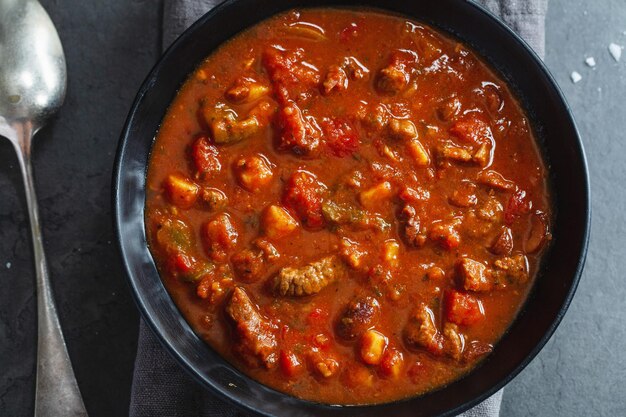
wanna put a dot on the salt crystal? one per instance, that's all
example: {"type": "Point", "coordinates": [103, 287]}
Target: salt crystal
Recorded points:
{"type": "Point", "coordinates": [8, 265]}
{"type": "Point", "coordinates": [576, 77]}
{"type": "Point", "coordinates": [590, 61]}
{"type": "Point", "coordinates": [616, 51]}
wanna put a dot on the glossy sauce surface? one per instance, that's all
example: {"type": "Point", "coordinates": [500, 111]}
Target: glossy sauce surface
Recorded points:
{"type": "Point", "coordinates": [348, 206]}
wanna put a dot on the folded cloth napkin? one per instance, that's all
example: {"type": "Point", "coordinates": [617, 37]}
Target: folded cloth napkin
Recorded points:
{"type": "Point", "coordinates": [160, 386]}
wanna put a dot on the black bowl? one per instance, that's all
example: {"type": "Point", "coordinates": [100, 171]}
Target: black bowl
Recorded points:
{"type": "Point", "coordinates": [555, 129]}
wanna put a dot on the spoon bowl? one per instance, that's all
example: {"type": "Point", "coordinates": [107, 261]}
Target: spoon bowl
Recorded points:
{"type": "Point", "coordinates": [33, 80]}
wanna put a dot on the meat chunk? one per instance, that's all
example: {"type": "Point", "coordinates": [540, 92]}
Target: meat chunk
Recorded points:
{"type": "Point", "coordinates": [336, 80]}
{"type": "Point", "coordinates": [411, 231]}
{"type": "Point", "coordinates": [473, 275]}
{"type": "Point", "coordinates": [453, 341]}
{"type": "Point", "coordinates": [304, 194]}
{"type": "Point", "coordinates": [360, 315]}
{"type": "Point", "coordinates": [402, 129]}
{"type": "Point", "coordinates": [464, 195]}
{"type": "Point", "coordinates": [449, 108]}
{"type": "Point", "coordinates": [421, 331]}
{"type": "Point", "coordinates": [309, 279]}
{"type": "Point", "coordinates": [214, 199]}
{"type": "Point", "coordinates": [495, 180]}
{"type": "Point", "coordinates": [296, 132]}
{"type": "Point", "coordinates": [514, 268]}
{"type": "Point", "coordinates": [249, 265]}
{"type": "Point", "coordinates": [256, 339]}
{"type": "Point", "coordinates": [445, 233]}
{"type": "Point", "coordinates": [503, 243]}
{"type": "Point", "coordinates": [451, 152]}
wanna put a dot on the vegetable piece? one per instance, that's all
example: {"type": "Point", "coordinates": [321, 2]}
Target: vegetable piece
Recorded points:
{"type": "Point", "coordinates": [327, 367]}
{"type": "Point", "coordinates": [309, 279]}
{"type": "Point", "coordinates": [246, 90]}
{"type": "Point", "coordinates": [361, 314]}
{"type": "Point", "coordinates": [373, 345]}
{"type": "Point", "coordinates": [205, 157]}
{"type": "Point", "coordinates": [290, 364]}
{"type": "Point", "coordinates": [391, 249]}
{"type": "Point", "coordinates": [421, 331]}
{"type": "Point", "coordinates": [296, 132]}
{"type": "Point", "coordinates": [372, 197]}
{"type": "Point", "coordinates": [306, 30]}
{"type": "Point", "coordinates": [220, 236]}
{"type": "Point", "coordinates": [256, 339]}
{"type": "Point", "coordinates": [418, 152]}
{"type": "Point", "coordinates": [392, 363]}
{"type": "Point", "coordinates": [474, 275]}
{"type": "Point", "coordinates": [225, 126]}
{"type": "Point", "coordinates": [277, 222]}
{"type": "Point", "coordinates": [462, 309]}
{"type": "Point", "coordinates": [345, 214]}
{"type": "Point", "coordinates": [174, 235]}
{"type": "Point", "coordinates": [304, 195]}
{"type": "Point", "coordinates": [351, 253]}
{"type": "Point", "coordinates": [253, 172]}
{"type": "Point", "coordinates": [181, 191]}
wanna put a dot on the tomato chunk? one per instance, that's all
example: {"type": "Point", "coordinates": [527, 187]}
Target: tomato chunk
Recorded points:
{"type": "Point", "coordinates": [462, 309]}
{"type": "Point", "coordinates": [289, 363]}
{"type": "Point", "coordinates": [296, 132]}
{"type": "Point", "coordinates": [205, 156]}
{"type": "Point", "coordinates": [289, 76]}
{"type": "Point", "coordinates": [340, 136]}
{"type": "Point", "coordinates": [518, 204]}
{"type": "Point", "coordinates": [472, 130]}
{"type": "Point", "coordinates": [304, 195]}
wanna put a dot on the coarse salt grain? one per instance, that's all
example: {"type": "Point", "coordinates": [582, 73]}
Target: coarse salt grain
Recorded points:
{"type": "Point", "coordinates": [576, 77]}
{"type": "Point", "coordinates": [591, 62]}
{"type": "Point", "coordinates": [8, 265]}
{"type": "Point", "coordinates": [616, 51]}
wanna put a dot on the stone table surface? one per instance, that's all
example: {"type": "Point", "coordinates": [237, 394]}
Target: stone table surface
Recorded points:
{"type": "Point", "coordinates": [110, 47]}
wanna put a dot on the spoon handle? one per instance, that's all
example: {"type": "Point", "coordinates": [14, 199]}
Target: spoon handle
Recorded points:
{"type": "Point", "coordinates": [57, 392]}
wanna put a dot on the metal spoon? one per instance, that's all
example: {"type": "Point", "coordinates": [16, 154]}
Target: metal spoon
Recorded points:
{"type": "Point", "coordinates": [33, 80]}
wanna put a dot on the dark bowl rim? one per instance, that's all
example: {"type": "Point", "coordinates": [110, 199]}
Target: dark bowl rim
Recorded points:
{"type": "Point", "coordinates": [232, 398]}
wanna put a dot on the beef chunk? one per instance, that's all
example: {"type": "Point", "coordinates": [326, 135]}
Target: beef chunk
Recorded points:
{"type": "Point", "coordinates": [256, 339]}
{"type": "Point", "coordinates": [421, 331]}
{"type": "Point", "coordinates": [473, 275]}
{"type": "Point", "coordinates": [503, 243]}
{"type": "Point", "coordinates": [249, 265]}
{"type": "Point", "coordinates": [360, 315]}
{"type": "Point", "coordinates": [309, 279]}
{"type": "Point", "coordinates": [514, 268]}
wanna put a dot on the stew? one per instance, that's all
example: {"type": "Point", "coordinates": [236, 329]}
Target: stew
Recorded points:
{"type": "Point", "coordinates": [348, 206]}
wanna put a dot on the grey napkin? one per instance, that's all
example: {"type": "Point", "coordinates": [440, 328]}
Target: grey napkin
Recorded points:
{"type": "Point", "coordinates": [160, 387]}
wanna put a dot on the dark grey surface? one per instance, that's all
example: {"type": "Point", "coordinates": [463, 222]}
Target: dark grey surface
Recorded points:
{"type": "Point", "coordinates": [110, 46]}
